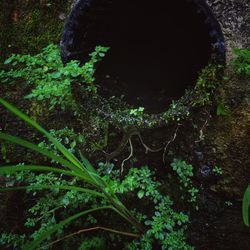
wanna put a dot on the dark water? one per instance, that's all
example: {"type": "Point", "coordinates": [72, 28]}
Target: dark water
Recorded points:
{"type": "Point", "coordinates": [157, 50]}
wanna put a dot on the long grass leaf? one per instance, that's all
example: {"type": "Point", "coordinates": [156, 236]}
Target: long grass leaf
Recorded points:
{"type": "Point", "coordinates": [92, 171]}
{"type": "Point", "coordinates": [58, 145]}
{"type": "Point", "coordinates": [53, 187]}
{"type": "Point", "coordinates": [33, 147]}
{"type": "Point", "coordinates": [245, 206]}
{"type": "Point", "coordinates": [86, 163]}
{"type": "Point", "coordinates": [46, 153]}
{"type": "Point", "coordinates": [38, 168]}
{"type": "Point", "coordinates": [36, 243]}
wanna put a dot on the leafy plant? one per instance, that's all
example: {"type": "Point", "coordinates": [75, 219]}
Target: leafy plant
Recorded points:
{"type": "Point", "coordinates": [67, 137]}
{"type": "Point", "coordinates": [228, 203]}
{"type": "Point", "coordinates": [50, 79]}
{"type": "Point", "coordinates": [11, 240]}
{"type": "Point", "coordinates": [96, 243]}
{"type": "Point", "coordinates": [217, 170]}
{"type": "Point", "coordinates": [241, 63]}
{"type": "Point", "coordinates": [136, 112]}
{"type": "Point", "coordinates": [206, 84]}
{"type": "Point", "coordinates": [185, 173]}
{"type": "Point", "coordinates": [165, 226]}
{"type": "Point", "coordinates": [71, 166]}
{"type": "Point", "coordinates": [220, 109]}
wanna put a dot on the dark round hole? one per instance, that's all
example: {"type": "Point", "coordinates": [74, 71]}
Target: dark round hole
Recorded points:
{"type": "Point", "coordinates": [156, 48]}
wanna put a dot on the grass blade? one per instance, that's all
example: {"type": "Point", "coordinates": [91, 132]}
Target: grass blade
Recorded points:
{"type": "Point", "coordinates": [46, 153]}
{"type": "Point", "coordinates": [245, 206]}
{"type": "Point", "coordinates": [36, 243]}
{"type": "Point", "coordinates": [15, 168]}
{"type": "Point", "coordinates": [41, 187]}
{"type": "Point", "coordinates": [86, 163]}
{"type": "Point", "coordinates": [33, 147]}
{"type": "Point", "coordinates": [58, 145]}
{"type": "Point", "coordinates": [98, 180]}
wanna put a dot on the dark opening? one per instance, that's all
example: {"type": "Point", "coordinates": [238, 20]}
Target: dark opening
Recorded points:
{"type": "Point", "coordinates": [156, 48]}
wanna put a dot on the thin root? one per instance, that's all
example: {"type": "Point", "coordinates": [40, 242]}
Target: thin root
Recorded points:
{"type": "Point", "coordinates": [130, 155]}
{"type": "Point", "coordinates": [168, 143]}
{"type": "Point", "coordinates": [148, 149]}
{"type": "Point", "coordinates": [201, 136]}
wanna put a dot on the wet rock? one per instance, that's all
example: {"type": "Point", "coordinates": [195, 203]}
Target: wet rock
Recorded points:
{"type": "Point", "coordinates": [205, 171]}
{"type": "Point", "coordinates": [199, 155]}
{"type": "Point", "coordinates": [234, 17]}
{"type": "Point", "coordinates": [230, 137]}
{"type": "Point", "coordinates": [227, 138]}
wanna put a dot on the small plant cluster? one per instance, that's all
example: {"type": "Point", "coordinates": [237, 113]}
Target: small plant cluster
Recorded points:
{"type": "Point", "coordinates": [206, 84]}
{"type": "Point", "coordinates": [217, 170]}
{"type": "Point", "coordinates": [50, 79]}
{"type": "Point", "coordinates": [185, 173]}
{"type": "Point", "coordinates": [67, 137]}
{"type": "Point", "coordinates": [241, 63]}
{"type": "Point", "coordinates": [165, 226]}
{"type": "Point", "coordinates": [136, 112]}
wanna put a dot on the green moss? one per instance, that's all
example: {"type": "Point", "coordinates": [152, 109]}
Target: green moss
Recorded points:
{"type": "Point", "coordinates": [28, 26]}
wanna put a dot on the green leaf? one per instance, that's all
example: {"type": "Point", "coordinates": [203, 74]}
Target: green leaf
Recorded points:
{"type": "Point", "coordinates": [56, 75]}
{"type": "Point", "coordinates": [36, 243]}
{"type": "Point", "coordinates": [92, 172]}
{"type": "Point", "coordinates": [8, 61]}
{"type": "Point", "coordinates": [245, 206]}
{"type": "Point", "coordinates": [220, 111]}
{"type": "Point", "coordinates": [140, 194]}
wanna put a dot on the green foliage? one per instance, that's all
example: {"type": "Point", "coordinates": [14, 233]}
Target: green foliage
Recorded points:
{"type": "Point", "coordinates": [83, 170]}
{"type": "Point", "coordinates": [241, 63]}
{"type": "Point", "coordinates": [208, 79]}
{"type": "Point", "coordinates": [67, 137]}
{"type": "Point", "coordinates": [185, 173]}
{"type": "Point", "coordinates": [217, 170]}
{"type": "Point", "coordinates": [245, 206]}
{"type": "Point", "coordinates": [52, 81]}
{"type": "Point", "coordinates": [136, 112]}
{"type": "Point", "coordinates": [220, 109]}
{"type": "Point", "coordinates": [96, 243]}
{"type": "Point", "coordinates": [229, 203]}
{"type": "Point", "coordinates": [11, 240]}
{"type": "Point", "coordinates": [206, 85]}
{"type": "Point", "coordinates": [177, 112]}
{"type": "Point", "coordinates": [165, 226]}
